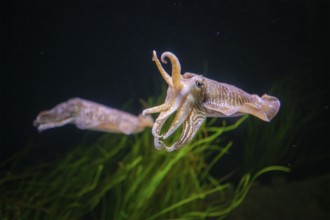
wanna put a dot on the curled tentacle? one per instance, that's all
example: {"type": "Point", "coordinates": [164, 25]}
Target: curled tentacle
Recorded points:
{"type": "Point", "coordinates": [176, 69]}
{"type": "Point", "coordinates": [165, 75]}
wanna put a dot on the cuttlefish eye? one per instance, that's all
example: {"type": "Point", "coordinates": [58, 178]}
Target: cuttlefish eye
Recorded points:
{"type": "Point", "coordinates": [198, 83]}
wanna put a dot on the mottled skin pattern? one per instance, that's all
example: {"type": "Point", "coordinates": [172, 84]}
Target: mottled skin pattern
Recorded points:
{"type": "Point", "coordinates": [194, 97]}
{"type": "Point", "coordinates": [92, 116]}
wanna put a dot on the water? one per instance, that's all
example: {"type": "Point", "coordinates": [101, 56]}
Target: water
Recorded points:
{"type": "Point", "coordinates": [102, 52]}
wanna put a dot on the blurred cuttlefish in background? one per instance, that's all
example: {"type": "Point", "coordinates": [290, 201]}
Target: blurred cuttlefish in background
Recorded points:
{"type": "Point", "coordinates": [92, 116]}
{"type": "Point", "coordinates": [194, 97]}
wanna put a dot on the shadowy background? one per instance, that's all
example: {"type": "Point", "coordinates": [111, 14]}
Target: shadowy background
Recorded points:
{"type": "Point", "coordinates": [54, 50]}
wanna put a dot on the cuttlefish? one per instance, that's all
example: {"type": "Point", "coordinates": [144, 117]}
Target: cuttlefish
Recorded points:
{"type": "Point", "coordinates": [194, 98]}
{"type": "Point", "coordinates": [92, 116]}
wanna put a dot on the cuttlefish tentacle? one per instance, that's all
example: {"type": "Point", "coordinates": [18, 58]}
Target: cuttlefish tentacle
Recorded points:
{"type": "Point", "coordinates": [190, 127]}
{"type": "Point", "coordinates": [172, 103]}
{"type": "Point", "coordinates": [173, 84]}
{"type": "Point", "coordinates": [159, 123]}
{"type": "Point", "coordinates": [181, 115]}
{"type": "Point", "coordinates": [159, 108]}
{"type": "Point", "coordinates": [183, 95]}
{"type": "Point", "coordinates": [165, 110]}
{"type": "Point", "coordinates": [167, 78]}
{"type": "Point", "coordinates": [176, 69]}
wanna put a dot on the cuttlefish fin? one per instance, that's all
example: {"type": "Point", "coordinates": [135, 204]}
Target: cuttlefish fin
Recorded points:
{"type": "Point", "coordinates": [223, 110]}
{"type": "Point", "coordinates": [227, 111]}
{"type": "Point", "coordinates": [264, 108]}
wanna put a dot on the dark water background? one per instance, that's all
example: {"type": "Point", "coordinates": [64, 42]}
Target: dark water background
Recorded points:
{"type": "Point", "coordinates": [54, 50]}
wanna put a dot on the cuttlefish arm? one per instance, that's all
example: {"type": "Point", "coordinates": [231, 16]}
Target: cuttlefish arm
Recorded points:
{"type": "Point", "coordinates": [91, 116]}
{"type": "Point", "coordinates": [190, 127]}
{"type": "Point", "coordinates": [171, 103]}
{"type": "Point", "coordinates": [183, 99]}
